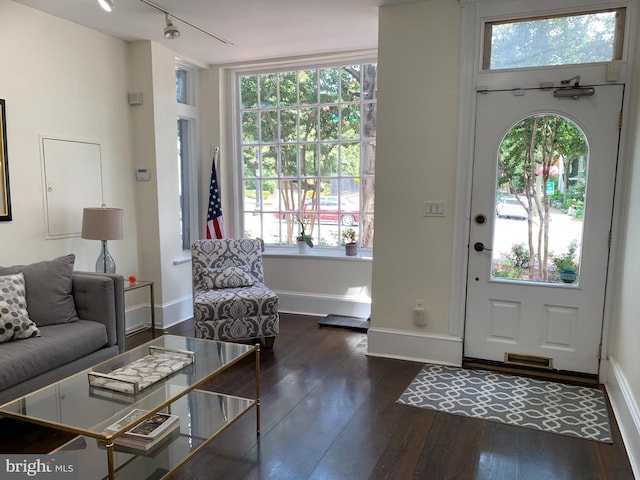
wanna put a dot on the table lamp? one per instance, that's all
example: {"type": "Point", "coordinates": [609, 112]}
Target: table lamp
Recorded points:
{"type": "Point", "coordinates": [103, 224]}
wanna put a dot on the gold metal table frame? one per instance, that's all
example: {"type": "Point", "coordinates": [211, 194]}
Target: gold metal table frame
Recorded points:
{"type": "Point", "coordinates": [71, 405]}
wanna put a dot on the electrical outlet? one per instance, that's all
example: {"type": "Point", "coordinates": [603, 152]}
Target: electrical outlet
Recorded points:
{"type": "Point", "coordinates": [419, 314]}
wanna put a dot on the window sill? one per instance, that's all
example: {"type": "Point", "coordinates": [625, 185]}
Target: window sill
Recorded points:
{"type": "Point", "coordinates": [183, 258]}
{"type": "Point", "coordinates": [364, 254]}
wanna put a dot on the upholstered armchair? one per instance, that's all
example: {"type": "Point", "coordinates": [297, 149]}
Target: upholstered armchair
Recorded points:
{"type": "Point", "coordinates": [230, 301]}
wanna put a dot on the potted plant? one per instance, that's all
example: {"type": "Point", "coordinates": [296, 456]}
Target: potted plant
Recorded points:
{"type": "Point", "coordinates": [349, 239]}
{"type": "Point", "coordinates": [303, 239]}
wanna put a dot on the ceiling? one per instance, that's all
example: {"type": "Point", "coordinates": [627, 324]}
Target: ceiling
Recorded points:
{"type": "Point", "coordinates": [257, 29]}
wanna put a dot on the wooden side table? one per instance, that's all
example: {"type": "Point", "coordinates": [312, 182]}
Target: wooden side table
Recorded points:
{"type": "Point", "coordinates": [140, 284]}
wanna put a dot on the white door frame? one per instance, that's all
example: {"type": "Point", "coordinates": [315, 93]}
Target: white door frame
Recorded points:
{"type": "Point", "coordinates": [472, 78]}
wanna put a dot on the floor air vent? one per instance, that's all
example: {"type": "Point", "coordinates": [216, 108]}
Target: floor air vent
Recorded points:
{"type": "Point", "coordinates": [528, 360]}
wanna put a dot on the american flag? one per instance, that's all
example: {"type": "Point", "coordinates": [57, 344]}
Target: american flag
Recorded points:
{"type": "Point", "coordinates": [214, 213]}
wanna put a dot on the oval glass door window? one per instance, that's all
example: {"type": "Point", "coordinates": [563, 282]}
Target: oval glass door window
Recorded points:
{"type": "Point", "coordinates": [541, 186]}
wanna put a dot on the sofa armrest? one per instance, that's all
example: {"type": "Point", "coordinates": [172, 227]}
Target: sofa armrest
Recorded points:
{"type": "Point", "coordinates": [99, 297]}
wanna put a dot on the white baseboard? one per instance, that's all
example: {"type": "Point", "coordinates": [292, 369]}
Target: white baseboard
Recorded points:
{"type": "Point", "coordinates": [137, 318]}
{"type": "Point", "coordinates": [626, 410]}
{"type": "Point", "coordinates": [174, 312]}
{"type": "Point", "coordinates": [415, 346]}
{"type": "Point", "coordinates": [167, 315]}
{"type": "Point", "coordinates": [321, 305]}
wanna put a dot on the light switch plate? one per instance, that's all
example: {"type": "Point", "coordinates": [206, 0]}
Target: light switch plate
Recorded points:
{"type": "Point", "coordinates": [433, 209]}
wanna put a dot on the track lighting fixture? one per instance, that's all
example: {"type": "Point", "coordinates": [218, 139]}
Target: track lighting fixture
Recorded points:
{"type": "Point", "coordinates": [107, 5]}
{"type": "Point", "coordinates": [171, 32]}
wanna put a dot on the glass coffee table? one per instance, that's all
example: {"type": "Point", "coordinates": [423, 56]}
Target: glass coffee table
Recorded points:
{"type": "Point", "coordinates": [98, 414]}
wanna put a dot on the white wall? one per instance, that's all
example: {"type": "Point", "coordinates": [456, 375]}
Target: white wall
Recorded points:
{"type": "Point", "coordinates": [417, 127]}
{"type": "Point", "coordinates": [622, 372]}
{"type": "Point", "coordinates": [320, 285]}
{"type": "Point", "coordinates": [418, 58]}
{"type": "Point", "coordinates": [71, 82]}
{"type": "Point", "coordinates": [623, 375]}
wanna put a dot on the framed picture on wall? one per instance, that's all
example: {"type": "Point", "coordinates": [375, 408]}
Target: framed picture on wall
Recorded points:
{"type": "Point", "coordinates": [5, 197]}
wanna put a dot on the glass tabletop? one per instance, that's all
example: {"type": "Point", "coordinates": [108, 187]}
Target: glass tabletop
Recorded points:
{"type": "Point", "coordinates": [74, 405]}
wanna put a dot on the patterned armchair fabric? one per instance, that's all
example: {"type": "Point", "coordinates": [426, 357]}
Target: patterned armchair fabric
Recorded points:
{"type": "Point", "coordinates": [230, 301]}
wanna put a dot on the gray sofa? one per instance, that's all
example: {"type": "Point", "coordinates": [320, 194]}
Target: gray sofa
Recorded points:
{"type": "Point", "coordinates": [91, 329]}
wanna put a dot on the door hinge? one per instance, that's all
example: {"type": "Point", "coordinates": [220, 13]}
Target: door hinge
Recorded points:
{"type": "Point", "coordinates": [620, 120]}
{"type": "Point", "coordinates": [609, 239]}
{"type": "Point", "coordinates": [600, 352]}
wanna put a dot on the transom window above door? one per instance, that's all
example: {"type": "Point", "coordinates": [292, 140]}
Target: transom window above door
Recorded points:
{"type": "Point", "coordinates": [567, 39]}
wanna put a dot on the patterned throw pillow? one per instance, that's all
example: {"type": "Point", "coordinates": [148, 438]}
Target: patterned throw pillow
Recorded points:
{"type": "Point", "coordinates": [230, 277]}
{"type": "Point", "coordinates": [14, 319]}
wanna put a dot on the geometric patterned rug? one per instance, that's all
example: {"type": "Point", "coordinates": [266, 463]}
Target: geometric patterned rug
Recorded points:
{"type": "Point", "coordinates": [552, 407]}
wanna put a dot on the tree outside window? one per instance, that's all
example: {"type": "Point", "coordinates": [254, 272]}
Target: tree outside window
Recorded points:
{"type": "Point", "coordinates": [308, 153]}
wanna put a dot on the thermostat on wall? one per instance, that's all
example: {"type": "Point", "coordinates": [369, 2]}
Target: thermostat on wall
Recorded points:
{"type": "Point", "coordinates": [143, 174]}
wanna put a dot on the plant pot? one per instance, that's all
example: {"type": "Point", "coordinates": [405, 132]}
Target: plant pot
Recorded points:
{"type": "Point", "coordinates": [351, 249]}
{"type": "Point", "coordinates": [302, 246]}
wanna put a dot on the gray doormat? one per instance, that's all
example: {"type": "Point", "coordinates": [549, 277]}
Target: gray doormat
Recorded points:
{"type": "Point", "coordinates": [552, 407]}
{"type": "Point", "coordinates": [344, 321]}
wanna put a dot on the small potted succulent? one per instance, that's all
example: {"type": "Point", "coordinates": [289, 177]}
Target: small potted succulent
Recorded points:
{"type": "Point", "coordinates": [303, 239]}
{"type": "Point", "coordinates": [349, 239]}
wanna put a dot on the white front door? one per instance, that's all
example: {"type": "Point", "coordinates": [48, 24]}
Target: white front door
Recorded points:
{"type": "Point", "coordinates": [536, 286]}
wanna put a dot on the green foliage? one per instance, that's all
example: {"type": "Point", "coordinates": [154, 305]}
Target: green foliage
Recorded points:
{"type": "Point", "coordinates": [349, 236]}
{"type": "Point", "coordinates": [564, 261]}
{"type": "Point", "coordinates": [557, 199]}
{"type": "Point", "coordinates": [576, 192]}
{"type": "Point", "coordinates": [575, 201]}
{"type": "Point", "coordinates": [575, 208]}
{"type": "Point", "coordinates": [302, 235]}
{"type": "Point", "coordinates": [507, 269]}
{"type": "Point", "coordinates": [515, 263]}
{"type": "Point", "coordinates": [553, 41]}
{"type": "Point", "coordinates": [302, 131]}
{"type": "Point", "coordinates": [520, 255]}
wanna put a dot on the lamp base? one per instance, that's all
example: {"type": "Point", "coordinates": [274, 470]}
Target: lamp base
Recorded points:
{"type": "Point", "coordinates": [105, 262]}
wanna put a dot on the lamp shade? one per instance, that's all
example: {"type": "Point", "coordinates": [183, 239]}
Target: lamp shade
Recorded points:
{"type": "Point", "coordinates": [102, 223]}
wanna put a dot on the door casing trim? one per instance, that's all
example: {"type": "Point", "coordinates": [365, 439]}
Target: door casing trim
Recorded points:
{"type": "Point", "coordinates": [470, 52]}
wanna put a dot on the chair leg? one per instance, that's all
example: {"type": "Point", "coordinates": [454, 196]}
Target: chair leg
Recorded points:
{"type": "Point", "coordinates": [267, 342]}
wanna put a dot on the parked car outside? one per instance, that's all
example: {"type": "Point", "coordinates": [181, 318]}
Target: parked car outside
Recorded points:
{"type": "Point", "coordinates": [510, 207]}
{"type": "Point", "coordinates": [346, 213]}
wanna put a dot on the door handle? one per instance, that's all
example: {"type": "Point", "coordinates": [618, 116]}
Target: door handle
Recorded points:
{"type": "Point", "coordinates": [479, 247]}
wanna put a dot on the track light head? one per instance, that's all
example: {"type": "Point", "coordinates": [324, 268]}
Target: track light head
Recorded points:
{"type": "Point", "coordinates": [171, 32]}
{"type": "Point", "coordinates": [107, 5]}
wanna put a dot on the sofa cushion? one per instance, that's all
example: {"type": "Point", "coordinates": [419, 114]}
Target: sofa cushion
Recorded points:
{"type": "Point", "coordinates": [57, 345]}
{"type": "Point", "coordinates": [48, 286]}
{"type": "Point", "coordinates": [15, 323]}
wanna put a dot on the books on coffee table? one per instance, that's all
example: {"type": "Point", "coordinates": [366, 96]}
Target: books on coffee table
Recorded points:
{"type": "Point", "coordinates": [146, 435]}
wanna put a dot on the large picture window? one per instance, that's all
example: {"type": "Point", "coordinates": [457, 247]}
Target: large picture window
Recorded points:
{"type": "Point", "coordinates": [308, 153]}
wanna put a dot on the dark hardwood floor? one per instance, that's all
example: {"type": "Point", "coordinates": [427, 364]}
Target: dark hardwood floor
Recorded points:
{"type": "Point", "coordinates": [329, 412]}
